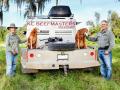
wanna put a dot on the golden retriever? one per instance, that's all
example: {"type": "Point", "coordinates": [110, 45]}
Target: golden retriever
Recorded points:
{"type": "Point", "coordinates": [32, 39]}
{"type": "Point", "coordinates": [80, 38]}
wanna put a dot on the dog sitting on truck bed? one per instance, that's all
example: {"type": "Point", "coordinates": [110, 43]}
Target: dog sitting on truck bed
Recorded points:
{"type": "Point", "coordinates": [32, 39]}
{"type": "Point", "coordinates": [80, 38]}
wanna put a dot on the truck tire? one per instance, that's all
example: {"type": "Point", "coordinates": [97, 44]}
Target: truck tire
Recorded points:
{"type": "Point", "coordinates": [24, 70]}
{"type": "Point", "coordinates": [60, 46]}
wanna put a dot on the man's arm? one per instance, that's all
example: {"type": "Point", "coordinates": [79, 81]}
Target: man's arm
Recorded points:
{"type": "Point", "coordinates": [111, 41]}
{"type": "Point", "coordinates": [94, 39]}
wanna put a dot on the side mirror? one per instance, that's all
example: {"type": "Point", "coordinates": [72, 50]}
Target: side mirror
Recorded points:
{"type": "Point", "coordinates": [78, 23]}
{"type": "Point", "coordinates": [72, 15]}
{"type": "Point", "coordinates": [24, 32]}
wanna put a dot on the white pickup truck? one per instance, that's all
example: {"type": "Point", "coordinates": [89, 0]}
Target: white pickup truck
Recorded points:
{"type": "Point", "coordinates": [56, 44]}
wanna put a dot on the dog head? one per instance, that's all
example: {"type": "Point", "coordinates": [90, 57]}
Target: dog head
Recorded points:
{"type": "Point", "coordinates": [80, 37]}
{"type": "Point", "coordinates": [83, 30]}
{"type": "Point", "coordinates": [34, 31]}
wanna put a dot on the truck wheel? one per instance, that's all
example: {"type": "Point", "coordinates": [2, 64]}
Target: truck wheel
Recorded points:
{"type": "Point", "coordinates": [24, 70]}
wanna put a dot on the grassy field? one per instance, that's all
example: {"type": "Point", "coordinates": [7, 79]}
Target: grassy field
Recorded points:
{"type": "Point", "coordinates": [55, 79]}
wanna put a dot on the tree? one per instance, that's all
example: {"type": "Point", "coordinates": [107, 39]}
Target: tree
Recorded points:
{"type": "Point", "coordinates": [56, 2]}
{"type": "Point", "coordinates": [109, 19]}
{"type": "Point", "coordinates": [33, 7]}
{"type": "Point", "coordinates": [115, 20]}
{"type": "Point", "coordinates": [3, 33]}
{"type": "Point", "coordinates": [90, 23]}
{"type": "Point", "coordinates": [1, 16]}
{"type": "Point", "coordinates": [97, 16]}
{"type": "Point", "coordinates": [115, 23]}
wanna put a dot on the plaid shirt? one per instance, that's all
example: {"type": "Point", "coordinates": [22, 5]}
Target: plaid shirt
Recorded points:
{"type": "Point", "coordinates": [104, 38]}
{"type": "Point", "coordinates": [12, 42]}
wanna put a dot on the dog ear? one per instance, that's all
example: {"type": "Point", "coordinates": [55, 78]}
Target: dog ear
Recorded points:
{"type": "Point", "coordinates": [37, 29]}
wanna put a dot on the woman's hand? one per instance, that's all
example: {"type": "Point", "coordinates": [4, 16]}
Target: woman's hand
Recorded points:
{"type": "Point", "coordinates": [106, 52]}
{"type": "Point", "coordinates": [14, 52]}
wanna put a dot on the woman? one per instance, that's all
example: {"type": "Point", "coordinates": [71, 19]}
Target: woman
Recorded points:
{"type": "Point", "coordinates": [12, 45]}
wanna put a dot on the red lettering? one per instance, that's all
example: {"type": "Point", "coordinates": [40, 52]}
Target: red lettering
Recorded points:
{"type": "Point", "coordinates": [54, 23]}
{"type": "Point", "coordinates": [30, 23]}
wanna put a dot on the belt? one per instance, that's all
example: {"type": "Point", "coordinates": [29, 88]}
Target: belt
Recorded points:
{"type": "Point", "coordinates": [103, 48]}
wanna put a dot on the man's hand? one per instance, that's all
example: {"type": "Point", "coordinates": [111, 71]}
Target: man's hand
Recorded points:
{"type": "Point", "coordinates": [86, 34]}
{"type": "Point", "coordinates": [106, 52]}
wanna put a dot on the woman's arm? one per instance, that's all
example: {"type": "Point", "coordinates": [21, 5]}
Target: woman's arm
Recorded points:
{"type": "Point", "coordinates": [8, 47]}
{"type": "Point", "coordinates": [22, 41]}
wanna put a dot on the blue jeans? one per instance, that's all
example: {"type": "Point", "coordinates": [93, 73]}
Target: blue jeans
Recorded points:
{"type": "Point", "coordinates": [11, 64]}
{"type": "Point", "coordinates": [106, 64]}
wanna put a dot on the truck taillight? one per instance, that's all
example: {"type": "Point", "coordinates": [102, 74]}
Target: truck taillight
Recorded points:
{"type": "Point", "coordinates": [31, 55]}
{"type": "Point", "coordinates": [92, 53]}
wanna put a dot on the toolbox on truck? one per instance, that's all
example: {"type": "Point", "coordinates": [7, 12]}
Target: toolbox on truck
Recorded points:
{"type": "Point", "coordinates": [61, 46]}
{"type": "Point", "coordinates": [60, 11]}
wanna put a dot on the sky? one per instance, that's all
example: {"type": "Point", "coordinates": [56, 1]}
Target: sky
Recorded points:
{"type": "Point", "coordinates": [82, 12]}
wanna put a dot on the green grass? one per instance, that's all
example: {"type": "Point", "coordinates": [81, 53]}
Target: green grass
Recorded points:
{"type": "Point", "coordinates": [55, 79]}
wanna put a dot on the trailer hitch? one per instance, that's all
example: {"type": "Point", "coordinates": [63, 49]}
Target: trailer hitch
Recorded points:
{"type": "Point", "coordinates": [65, 67]}
{"type": "Point", "coordinates": [65, 70]}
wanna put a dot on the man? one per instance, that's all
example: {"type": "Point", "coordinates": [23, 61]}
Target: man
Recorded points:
{"type": "Point", "coordinates": [12, 45]}
{"type": "Point", "coordinates": [106, 40]}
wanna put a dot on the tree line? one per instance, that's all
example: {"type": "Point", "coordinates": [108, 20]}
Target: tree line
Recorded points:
{"type": "Point", "coordinates": [113, 19]}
